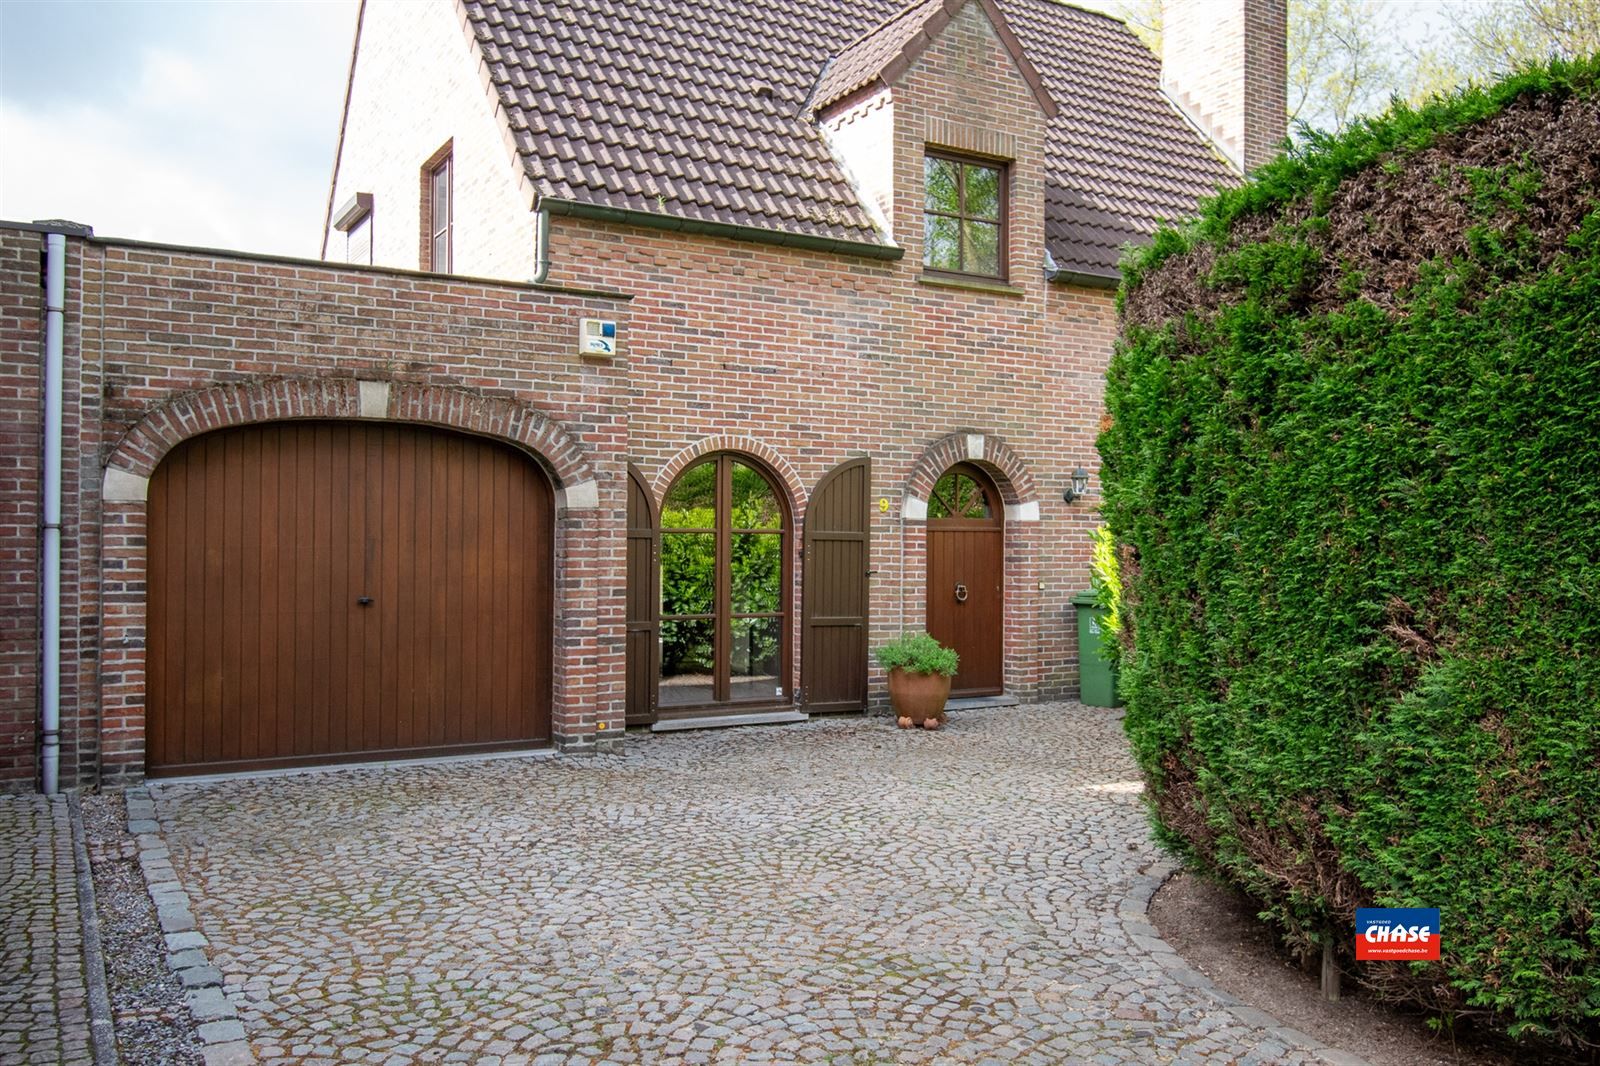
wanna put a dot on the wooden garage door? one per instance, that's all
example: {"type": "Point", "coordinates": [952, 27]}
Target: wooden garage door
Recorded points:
{"type": "Point", "coordinates": [323, 592]}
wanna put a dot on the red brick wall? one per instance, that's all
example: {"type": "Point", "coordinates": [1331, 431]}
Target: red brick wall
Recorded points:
{"type": "Point", "coordinates": [167, 343]}
{"type": "Point", "coordinates": [815, 358]}
{"type": "Point", "coordinates": [21, 399]}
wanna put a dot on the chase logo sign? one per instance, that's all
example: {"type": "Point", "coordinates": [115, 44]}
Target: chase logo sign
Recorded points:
{"type": "Point", "coordinates": [1407, 933]}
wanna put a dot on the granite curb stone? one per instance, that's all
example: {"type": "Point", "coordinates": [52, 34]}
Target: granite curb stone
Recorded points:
{"type": "Point", "coordinates": [221, 1033]}
{"type": "Point", "coordinates": [1134, 912]}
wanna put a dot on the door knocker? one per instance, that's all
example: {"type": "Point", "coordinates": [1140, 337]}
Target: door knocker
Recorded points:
{"type": "Point", "coordinates": [961, 594]}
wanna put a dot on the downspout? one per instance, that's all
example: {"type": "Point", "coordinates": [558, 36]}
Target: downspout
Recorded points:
{"type": "Point", "coordinates": [50, 696]}
{"type": "Point", "coordinates": [541, 245]}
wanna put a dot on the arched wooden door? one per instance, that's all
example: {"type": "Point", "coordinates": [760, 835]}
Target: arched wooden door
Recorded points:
{"type": "Point", "coordinates": [644, 603]}
{"type": "Point", "coordinates": [966, 577]}
{"type": "Point", "coordinates": [333, 591]}
{"type": "Point", "coordinates": [833, 649]}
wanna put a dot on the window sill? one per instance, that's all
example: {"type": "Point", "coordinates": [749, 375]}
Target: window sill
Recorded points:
{"type": "Point", "coordinates": [948, 281]}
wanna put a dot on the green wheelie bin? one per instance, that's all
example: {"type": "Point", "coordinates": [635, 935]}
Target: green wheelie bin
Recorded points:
{"type": "Point", "coordinates": [1097, 675]}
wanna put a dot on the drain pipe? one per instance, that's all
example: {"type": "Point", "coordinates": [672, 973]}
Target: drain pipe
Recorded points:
{"type": "Point", "coordinates": [541, 242]}
{"type": "Point", "coordinates": [55, 286]}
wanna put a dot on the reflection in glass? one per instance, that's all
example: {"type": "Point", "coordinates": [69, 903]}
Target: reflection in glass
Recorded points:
{"type": "Point", "coordinates": [941, 182]}
{"type": "Point", "coordinates": [956, 495]}
{"type": "Point", "coordinates": [983, 248]}
{"type": "Point", "coordinates": [687, 661]}
{"type": "Point", "coordinates": [688, 573]}
{"type": "Point", "coordinates": [691, 503]}
{"type": "Point", "coordinates": [983, 192]}
{"type": "Point", "coordinates": [755, 505]}
{"type": "Point", "coordinates": [756, 655]}
{"type": "Point", "coordinates": [943, 248]}
{"type": "Point", "coordinates": [757, 572]}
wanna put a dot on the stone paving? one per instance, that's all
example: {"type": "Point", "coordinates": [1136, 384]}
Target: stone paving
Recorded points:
{"type": "Point", "coordinates": [44, 1014]}
{"type": "Point", "coordinates": [835, 892]}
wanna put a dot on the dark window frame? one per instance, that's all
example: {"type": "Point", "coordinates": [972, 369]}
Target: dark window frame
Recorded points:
{"type": "Point", "coordinates": [1003, 222]}
{"type": "Point", "coordinates": [722, 615]}
{"type": "Point", "coordinates": [984, 484]}
{"type": "Point", "coordinates": [439, 165]}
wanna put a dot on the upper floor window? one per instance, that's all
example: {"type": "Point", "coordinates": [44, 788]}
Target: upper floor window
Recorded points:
{"type": "Point", "coordinates": [965, 213]}
{"type": "Point", "coordinates": [438, 209]}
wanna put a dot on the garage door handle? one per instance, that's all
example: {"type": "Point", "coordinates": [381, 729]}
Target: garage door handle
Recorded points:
{"type": "Point", "coordinates": [364, 601]}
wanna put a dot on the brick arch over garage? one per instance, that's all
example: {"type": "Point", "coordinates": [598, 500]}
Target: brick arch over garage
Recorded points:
{"type": "Point", "coordinates": [1011, 475]}
{"type": "Point", "coordinates": [581, 532]}
{"type": "Point", "coordinates": [143, 447]}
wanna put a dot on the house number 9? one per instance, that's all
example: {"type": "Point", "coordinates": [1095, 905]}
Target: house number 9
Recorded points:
{"type": "Point", "coordinates": [883, 505]}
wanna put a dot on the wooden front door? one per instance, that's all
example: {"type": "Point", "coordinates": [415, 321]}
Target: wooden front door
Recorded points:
{"type": "Point", "coordinates": [833, 651]}
{"type": "Point", "coordinates": [966, 577]}
{"type": "Point", "coordinates": [324, 592]}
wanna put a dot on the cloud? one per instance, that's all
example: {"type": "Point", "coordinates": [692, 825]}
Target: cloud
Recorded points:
{"type": "Point", "coordinates": [216, 128]}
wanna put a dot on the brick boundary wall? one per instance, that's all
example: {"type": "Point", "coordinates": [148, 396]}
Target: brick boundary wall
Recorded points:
{"type": "Point", "coordinates": [166, 343]}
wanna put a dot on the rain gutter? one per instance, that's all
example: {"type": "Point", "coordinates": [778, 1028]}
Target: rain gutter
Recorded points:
{"type": "Point", "coordinates": [733, 231]}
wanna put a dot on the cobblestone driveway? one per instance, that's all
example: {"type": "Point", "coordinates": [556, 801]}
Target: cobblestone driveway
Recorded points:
{"type": "Point", "coordinates": [840, 891]}
{"type": "Point", "coordinates": [44, 1016]}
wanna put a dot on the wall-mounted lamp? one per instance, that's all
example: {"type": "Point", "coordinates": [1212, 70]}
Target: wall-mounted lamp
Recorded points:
{"type": "Point", "coordinates": [1079, 486]}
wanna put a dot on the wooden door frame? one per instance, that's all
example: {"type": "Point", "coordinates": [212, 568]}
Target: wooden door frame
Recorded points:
{"type": "Point", "coordinates": [653, 623]}
{"type": "Point", "coordinates": [722, 596]}
{"type": "Point", "coordinates": [806, 598]}
{"type": "Point", "coordinates": [995, 522]}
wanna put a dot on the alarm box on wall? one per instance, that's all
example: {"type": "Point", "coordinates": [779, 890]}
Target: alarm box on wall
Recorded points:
{"type": "Point", "coordinates": [597, 337]}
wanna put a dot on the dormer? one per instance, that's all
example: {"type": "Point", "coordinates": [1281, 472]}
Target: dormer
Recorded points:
{"type": "Point", "coordinates": [941, 119]}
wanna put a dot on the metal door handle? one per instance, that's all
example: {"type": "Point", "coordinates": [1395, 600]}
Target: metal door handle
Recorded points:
{"type": "Point", "coordinates": [961, 594]}
{"type": "Point", "coordinates": [364, 601]}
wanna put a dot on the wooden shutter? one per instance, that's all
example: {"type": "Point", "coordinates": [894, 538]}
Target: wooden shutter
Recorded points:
{"type": "Point", "coordinates": [833, 649]}
{"type": "Point", "coordinates": [644, 603]}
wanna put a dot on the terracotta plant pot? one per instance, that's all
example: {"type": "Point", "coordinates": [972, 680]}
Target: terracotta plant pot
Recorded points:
{"type": "Point", "coordinates": [918, 696]}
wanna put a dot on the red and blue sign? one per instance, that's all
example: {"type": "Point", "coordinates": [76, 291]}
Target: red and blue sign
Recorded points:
{"type": "Point", "coordinates": [1406, 933]}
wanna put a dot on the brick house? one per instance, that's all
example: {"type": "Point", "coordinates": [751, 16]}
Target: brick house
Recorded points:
{"type": "Point", "coordinates": [663, 360]}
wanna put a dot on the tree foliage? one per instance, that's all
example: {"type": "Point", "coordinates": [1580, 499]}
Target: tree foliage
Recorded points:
{"type": "Point", "coordinates": [1349, 58]}
{"type": "Point", "coordinates": [1354, 417]}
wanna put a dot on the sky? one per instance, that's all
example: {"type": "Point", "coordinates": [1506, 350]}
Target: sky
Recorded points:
{"type": "Point", "coordinates": [183, 121]}
{"type": "Point", "coordinates": [211, 124]}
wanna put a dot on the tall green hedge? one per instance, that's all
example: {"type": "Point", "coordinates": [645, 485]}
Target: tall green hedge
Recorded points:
{"type": "Point", "coordinates": [1355, 451]}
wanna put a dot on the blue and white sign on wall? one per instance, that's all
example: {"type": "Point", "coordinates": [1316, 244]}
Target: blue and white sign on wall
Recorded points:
{"type": "Point", "coordinates": [597, 336]}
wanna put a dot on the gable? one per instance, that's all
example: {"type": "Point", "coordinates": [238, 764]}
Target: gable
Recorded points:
{"type": "Point", "coordinates": [882, 55]}
{"type": "Point", "coordinates": [698, 111]}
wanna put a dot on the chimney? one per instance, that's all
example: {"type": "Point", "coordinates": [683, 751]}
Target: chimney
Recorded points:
{"type": "Point", "coordinates": [1223, 63]}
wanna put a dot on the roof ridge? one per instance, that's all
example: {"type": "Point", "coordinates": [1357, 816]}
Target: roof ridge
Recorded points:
{"type": "Point", "coordinates": [687, 114]}
{"type": "Point", "coordinates": [880, 26]}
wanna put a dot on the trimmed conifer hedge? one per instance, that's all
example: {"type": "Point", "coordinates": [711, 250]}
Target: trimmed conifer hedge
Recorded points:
{"type": "Point", "coordinates": [1354, 448]}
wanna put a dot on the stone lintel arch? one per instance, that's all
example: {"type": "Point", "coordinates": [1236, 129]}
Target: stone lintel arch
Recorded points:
{"type": "Point", "coordinates": [985, 450]}
{"type": "Point", "coordinates": [768, 456]}
{"type": "Point", "coordinates": [141, 449]}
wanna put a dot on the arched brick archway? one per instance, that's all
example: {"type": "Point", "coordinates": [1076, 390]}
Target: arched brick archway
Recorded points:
{"type": "Point", "coordinates": [191, 414]}
{"type": "Point", "coordinates": [1011, 475]}
{"type": "Point", "coordinates": [1023, 604]}
{"type": "Point", "coordinates": [769, 457]}
{"type": "Point", "coordinates": [581, 568]}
